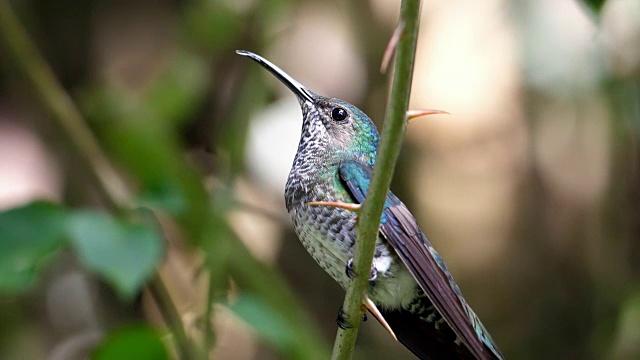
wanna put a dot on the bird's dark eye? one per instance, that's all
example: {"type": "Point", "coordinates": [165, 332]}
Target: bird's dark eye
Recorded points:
{"type": "Point", "coordinates": [339, 114]}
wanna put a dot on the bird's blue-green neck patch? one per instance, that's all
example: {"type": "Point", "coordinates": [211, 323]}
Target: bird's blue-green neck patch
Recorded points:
{"type": "Point", "coordinates": [365, 143]}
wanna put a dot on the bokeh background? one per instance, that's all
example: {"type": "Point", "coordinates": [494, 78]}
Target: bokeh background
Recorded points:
{"type": "Point", "coordinates": [530, 189]}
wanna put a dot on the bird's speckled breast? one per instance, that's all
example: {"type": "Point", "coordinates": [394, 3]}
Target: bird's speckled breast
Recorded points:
{"type": "Point", "coordinates": [328, 234]}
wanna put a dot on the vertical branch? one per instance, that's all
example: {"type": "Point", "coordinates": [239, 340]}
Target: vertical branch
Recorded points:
{"type": "Point", "coordinates": [371, 211]}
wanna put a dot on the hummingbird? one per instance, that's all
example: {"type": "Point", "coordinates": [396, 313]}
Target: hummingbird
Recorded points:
{"type": "Point", "coordinates": [411, 291]}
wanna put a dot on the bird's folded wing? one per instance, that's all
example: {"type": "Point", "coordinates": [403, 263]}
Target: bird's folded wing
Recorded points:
{"type": "Point", "coordinates": [401, 230]}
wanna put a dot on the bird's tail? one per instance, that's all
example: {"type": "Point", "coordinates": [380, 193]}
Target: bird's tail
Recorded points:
{"type": "Point", "coordinates": [422, 338]}
{"type": "Point", "coordinates": [426, 334]}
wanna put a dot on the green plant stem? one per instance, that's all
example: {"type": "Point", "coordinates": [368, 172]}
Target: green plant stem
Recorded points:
{"type": "Point", "coordinates": [371, 210]}
{"type": "Point", "coordinates": [207, 338]}
{"type": "Point", "coordinates": [171, 315]}
{"type": "Point", "coordinates": [67, 118]}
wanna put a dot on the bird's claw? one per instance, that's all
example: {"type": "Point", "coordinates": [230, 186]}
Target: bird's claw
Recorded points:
{"type": "Point", "coordinates": [351, 273]}
{"type": "Point", "coordinates": [374, 274]}
{"type": "Point", "coordinates": [342, 322]}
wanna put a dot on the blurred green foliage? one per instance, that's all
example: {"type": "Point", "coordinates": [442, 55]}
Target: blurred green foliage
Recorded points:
{"type": "Point", "coordinates": [595, 5]}
{"type": "Point", "coordinates": [30, 236]}
{"type": "Point", "coordinates": [139, 133]}
{"type": "Point", "coordinates": [134, 342]}
{"type": "Point", "coordinates": [125, 253]}
{"type": "Point", "coordinates": [266, 322]}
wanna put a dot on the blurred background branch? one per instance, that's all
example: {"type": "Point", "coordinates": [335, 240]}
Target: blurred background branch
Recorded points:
{"type": "Point", "coordinates": [60, 107]}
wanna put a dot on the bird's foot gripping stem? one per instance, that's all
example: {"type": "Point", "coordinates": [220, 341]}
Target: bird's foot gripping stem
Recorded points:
{"type": "Point", "coordinates": [351, 273]}
{"type": "Point", "coordinates": [342, 322]}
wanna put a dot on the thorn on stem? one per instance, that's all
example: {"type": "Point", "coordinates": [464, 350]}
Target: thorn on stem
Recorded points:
{"type": "Point", "coordinates": [337, 204]}
{"type": "Point", "coordinates": [391, 47]}
{"type": "Point", "coordinates": [376, 313]}
{"type": "Point", "coordinates": [412, 114]}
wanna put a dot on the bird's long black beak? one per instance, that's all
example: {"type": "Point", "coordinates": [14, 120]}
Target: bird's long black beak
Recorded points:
{"type": "Point", "coordinates": [297, 88]}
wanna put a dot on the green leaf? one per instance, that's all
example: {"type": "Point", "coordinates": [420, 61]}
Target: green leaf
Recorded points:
{"type": "Point", "coordinates": [265, 320]}
{"type": "Point", "coordinates": [124, 253]}
{"type": "Point", "coordinates": [28, 235]}
{"type": "Point", "coordinates": [139, 342]}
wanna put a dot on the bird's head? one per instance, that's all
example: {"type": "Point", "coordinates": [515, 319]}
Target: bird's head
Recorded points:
{"type": "Point", "coordinates": [331, 126]}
